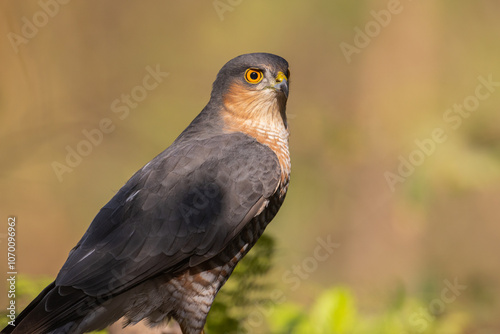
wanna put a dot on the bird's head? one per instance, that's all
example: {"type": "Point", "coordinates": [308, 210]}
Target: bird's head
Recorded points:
{"type": "Point", "coordinates": [252, 89]}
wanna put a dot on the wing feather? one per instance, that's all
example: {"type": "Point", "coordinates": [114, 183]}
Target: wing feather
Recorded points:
{"type": "Point", "coordinates": [181, 209]}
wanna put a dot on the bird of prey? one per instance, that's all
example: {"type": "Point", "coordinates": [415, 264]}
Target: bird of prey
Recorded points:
{"type": "Point", "coordinates": [165, 244]}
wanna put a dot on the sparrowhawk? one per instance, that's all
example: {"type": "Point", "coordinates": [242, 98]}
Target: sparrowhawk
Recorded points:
{"type": "Point", "coordinates": [165, 244]}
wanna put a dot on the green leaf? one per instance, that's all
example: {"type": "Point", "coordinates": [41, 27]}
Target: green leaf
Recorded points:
{"type": "Point", "coordinates": [334, 312]}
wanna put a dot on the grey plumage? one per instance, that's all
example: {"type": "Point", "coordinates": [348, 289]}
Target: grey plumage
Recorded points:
{"type": "Point", "coordinates": [165, 244]}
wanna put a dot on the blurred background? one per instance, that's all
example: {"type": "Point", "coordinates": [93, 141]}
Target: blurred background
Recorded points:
{"type": "Point", "coordinates": [394, 111]}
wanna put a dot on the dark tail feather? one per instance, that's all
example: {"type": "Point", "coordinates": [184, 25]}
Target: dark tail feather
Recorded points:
{"type": "Point", "coordinates": [10, 329]}
{"type": "Point", "coordinates": [51, 309]}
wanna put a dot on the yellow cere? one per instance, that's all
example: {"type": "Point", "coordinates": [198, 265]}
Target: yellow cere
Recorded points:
{"type": "Point", "coordinates": [281, 77]}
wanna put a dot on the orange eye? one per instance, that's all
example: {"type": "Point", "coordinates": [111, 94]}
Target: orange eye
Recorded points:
{"type": "Point", "coordinates": [253, 76]}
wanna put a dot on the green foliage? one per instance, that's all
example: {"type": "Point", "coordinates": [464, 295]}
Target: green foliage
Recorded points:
{"type": "Point", "coordinates": [335, 312]}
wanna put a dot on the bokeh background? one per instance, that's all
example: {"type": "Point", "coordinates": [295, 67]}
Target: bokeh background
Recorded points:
{"type": "Point", "coordinates": [354, 117]}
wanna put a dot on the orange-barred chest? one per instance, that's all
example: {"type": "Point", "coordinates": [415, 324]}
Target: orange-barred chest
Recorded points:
{"type": "Point", "coordinates": [278, 142]}
{"type": "Point", "coordinates": [260, 114]}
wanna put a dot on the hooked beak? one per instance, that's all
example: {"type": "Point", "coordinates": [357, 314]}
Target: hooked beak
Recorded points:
{"type": "Point", "coordinates": [282, 83]}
